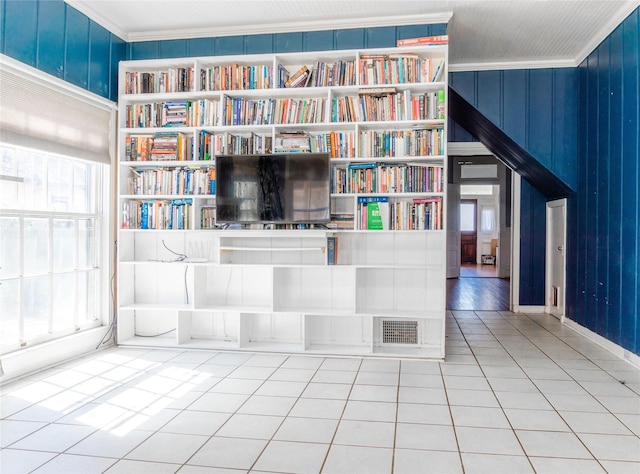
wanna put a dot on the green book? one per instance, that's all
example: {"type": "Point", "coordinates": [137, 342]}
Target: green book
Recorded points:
{"type": "Point", "coordinates": [374, 216]}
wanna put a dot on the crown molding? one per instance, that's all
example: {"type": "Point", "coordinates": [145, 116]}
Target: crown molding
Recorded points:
{"type": "Point", "coordinates": [606, 30]}
{"type": "Point", "coordinates": [292, 27]}
{"type": "Point", "coordinates": [499, 66]}
{"type": "Point", "coordinates": [284, 27]}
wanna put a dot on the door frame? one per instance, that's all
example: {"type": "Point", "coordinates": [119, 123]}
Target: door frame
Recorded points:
{"type": "Point", "coordinates": [453, 230]}
{"type": "Point", "coordinates": [473, 233]}
{"type": "Point", "coordinates": [552, 260]}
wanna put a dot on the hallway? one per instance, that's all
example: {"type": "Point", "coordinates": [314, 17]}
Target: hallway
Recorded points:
{"type": "Point", "coordinates": [478, 288]}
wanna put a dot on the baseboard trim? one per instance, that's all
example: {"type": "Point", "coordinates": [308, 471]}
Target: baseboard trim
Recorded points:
{"type": "Point", "coordinates": [605, 343]}
{"type": "Point", "coordinates": [530, 309]}
{"type": "Point", "coordinates": [41, 356]}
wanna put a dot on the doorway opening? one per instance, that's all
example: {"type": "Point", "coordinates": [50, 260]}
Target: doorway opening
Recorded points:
{"type": "Point", "coordinates": [479, 234]}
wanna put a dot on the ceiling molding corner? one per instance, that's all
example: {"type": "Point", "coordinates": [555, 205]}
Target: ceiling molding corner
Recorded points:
{"type": "Point", "coordinates": [290, 27]}
{"type": "Point", "coordinates": [85, 8]}
{"type": "Point", "coordinates": [613, 23]}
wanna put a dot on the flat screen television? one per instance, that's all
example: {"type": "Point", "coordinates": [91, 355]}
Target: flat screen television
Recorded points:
{"type": "Point", "coordinates": [273, 188]}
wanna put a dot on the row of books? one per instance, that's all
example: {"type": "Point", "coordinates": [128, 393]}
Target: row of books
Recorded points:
{"type": "Point", "coordinates": [157, 114]}
{"type": "Point", "coordinates": [322, 74]}
{"type": "Point", "coordinates": [208, 217]}
{"type": "Point", "coordinates": [377, 213]}
{"type": "Point", "coordinates": [388, 106]}
{"type": "Point", "coordinates": [173, 181]}
{"type": "Point", "coordinates": [399, 69]}
{"type": "Point", "coordinates": [332, 250]}
{"type": "Point", "coordinates": [341, 220]}
{"type": "Point", "coordinates": [391, 178]}
{"type": "Point", "coordinates": [340, 73]}
{"type": "Point", "coordinates": [292, 142]}
{"type": "Point", "coordinates": [179, 79]}
{"type": "Point", "coordinates": [171, 145]}
{"type": "Point", "coordinates": [203, 112]}
{"type": "Point", "coordinates": [243, 111]}
{"type": "Point", "coordinates": [366, 107]}
{"type": "Point", "coordinates": [161, 146]}
{"type": "Point", "coordinates": [157, 214]}
{"type": "Point", "coordinates": [236, 77]}
{"type": "Point", "coordinates": [429, 106]}
{"type": "Point", "coordinates": [252, 144]}
{"type": "Point", "coordinates": [336, 144]}
{"type": "Point", "coordinates": [401, 143]}
{"type": "Point", "coordinates": [369, 108]}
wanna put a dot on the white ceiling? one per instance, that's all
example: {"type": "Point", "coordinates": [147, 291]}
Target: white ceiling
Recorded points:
{"type": "Point", "coordinates": [483, 34]}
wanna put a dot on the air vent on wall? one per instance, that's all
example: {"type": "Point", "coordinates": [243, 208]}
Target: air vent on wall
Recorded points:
{"type": "Point", "coordinates": [399, 331]}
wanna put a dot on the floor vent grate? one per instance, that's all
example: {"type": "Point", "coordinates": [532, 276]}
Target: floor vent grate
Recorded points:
{"type": "Point", "coordinates": [399, 331]}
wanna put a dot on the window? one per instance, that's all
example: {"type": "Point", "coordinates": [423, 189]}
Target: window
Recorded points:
{"type": "Point", "coordinates": [467, 216]}
{"type": "Point", "coordinates": [51, 259]}
{"type": "Point", "coordinates": [488, 219]}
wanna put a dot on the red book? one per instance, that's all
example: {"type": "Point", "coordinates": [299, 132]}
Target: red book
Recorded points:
{"type": "Point", "coordinates": [424, 40]}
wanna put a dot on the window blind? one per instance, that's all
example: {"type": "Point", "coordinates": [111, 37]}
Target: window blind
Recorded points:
{"type": "Point", "coordinates": [45, 113]}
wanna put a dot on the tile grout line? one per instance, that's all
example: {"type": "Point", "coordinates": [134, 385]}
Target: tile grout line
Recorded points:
{"type": "Point", "coordinates": [539, 390]}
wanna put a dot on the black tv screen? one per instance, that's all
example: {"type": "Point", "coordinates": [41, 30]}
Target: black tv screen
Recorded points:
{"type": "Point", "coordinates": [272, 188]}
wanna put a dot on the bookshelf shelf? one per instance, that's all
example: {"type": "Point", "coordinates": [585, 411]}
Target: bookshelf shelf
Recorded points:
{"type": "Point", "coordinates": [185, 281]}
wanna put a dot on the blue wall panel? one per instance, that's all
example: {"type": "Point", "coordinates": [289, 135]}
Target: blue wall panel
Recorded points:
{"type": "Point", "coordinates": [202, 47]}
{"type": "Point", "coordinates": [350, 39]}
{"type": "Point", "coordinates": [259, 44]}
{"type": "Point", "coordinates": [230, 45]}
{"type": "Point", "coordinates": [118, 53]}
{"type": "Point", "coordinates": [318, 40]}
{"type": "Point", "coordinates": [380, 37]}
{"type": "Point", "coordinates": [288, 42]}
{"type": "Point", "coordinates": [565, 132]}
{"type": "Point", "coordinates": [464, 84]}
{"type": "Point", "coordinates": [3, 16]}
{"type": "Point", "coordinates": [630, 184]}
{"type": "Point", "coordinates": [76, 57]}
{"type": "Point", "coordinates": [490, 101]}
{"type": "Point", "coordinates": [51, 34]}
{"type": "Point", "coordinates": [532, 245]}
{"type": "Point", "coordinates": [515, 100]}
{"type": "Point", "coordinates": [20, 31]}
{"type": "Point", "coordinates": [608, 216]}
{"type": "Point", "coordinates": [530, 113]}
{"type": "Point", "coordinates": [173, 48]}
{"type": "Point", "coordinates": [100, 55]}
{"type": "Point", "coordinates": [416, 31]}
{"type": "Point", "coordinates": [541, 114]}
{"type": "Point", "coordinates": [143, 50]}
{"type": "Point", "coordinates": [602, 191]}
{"type": "Point", "coordinates": [59, 40]}
{"type": "Point", "coordinates": [615, 296]}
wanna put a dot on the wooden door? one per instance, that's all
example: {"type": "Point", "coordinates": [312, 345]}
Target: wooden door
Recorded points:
{"type": "Point", "coordinates": [468, 230]}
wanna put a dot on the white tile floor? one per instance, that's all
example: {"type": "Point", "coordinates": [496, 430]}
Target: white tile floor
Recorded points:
{"type": "Point", "coordinates": [516, 394]}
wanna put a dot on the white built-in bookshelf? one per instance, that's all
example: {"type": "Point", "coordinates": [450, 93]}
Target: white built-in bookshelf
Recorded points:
{"type": "Point", "coordinates": [338, 289]}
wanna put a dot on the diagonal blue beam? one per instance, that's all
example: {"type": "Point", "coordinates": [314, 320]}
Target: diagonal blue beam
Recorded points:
{"type": "Point", "coordinates": [506, 149]}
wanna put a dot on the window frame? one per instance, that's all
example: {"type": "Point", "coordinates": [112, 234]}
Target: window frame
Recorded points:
{"type": "Point", "coordinates": [101, 264]}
